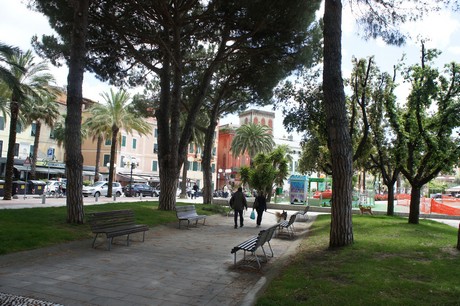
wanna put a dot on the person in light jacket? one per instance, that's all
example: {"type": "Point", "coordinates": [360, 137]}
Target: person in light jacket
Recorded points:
{"type": "Point", "coordinates": [238, 203]}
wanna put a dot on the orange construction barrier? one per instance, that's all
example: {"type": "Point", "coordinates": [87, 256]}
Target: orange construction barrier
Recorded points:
{"type": "Point", "coordinates": [443, 209]}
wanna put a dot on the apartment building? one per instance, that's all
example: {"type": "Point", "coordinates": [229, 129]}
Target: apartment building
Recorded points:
{"type": "Point", "coordinates": [136, 156]}
{"type": "Point", "coordinates": [50, 157]}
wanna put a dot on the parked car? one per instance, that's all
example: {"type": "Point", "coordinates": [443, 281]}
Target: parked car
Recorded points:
{"type": "Point", "coordinates": [138, 189]}
{"type": "Point", "coordinates": [51, 187]}
{"type": "Point", "coordinates": [156, 191]}
{"type": "Point", "coordinates": [100, 189]}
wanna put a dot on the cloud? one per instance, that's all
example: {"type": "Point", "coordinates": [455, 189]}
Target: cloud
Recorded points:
{"type": "Point", "coordinates": [438, 29]}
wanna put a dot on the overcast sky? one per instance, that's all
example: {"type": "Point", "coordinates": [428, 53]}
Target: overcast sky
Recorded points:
{"type": "Point", "coordinates": [440, 30]}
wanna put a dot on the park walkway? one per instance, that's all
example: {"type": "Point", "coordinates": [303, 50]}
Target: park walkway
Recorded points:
{"type": "Point", "coordinates": [172, 267]}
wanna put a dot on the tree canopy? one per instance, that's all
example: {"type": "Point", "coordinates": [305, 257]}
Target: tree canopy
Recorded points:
{"type": "Point", "coordinates": [130, 43]}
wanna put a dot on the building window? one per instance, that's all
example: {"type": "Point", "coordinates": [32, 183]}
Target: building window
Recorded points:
{"type": "Point", "coordinates": [18, 127]}
{"type": "Point", "coordinates": [106, 159]}
{"type": "Point", "coordinates": [190, 148]}
{"type": "Point", "coordinates": [52, 134]}
{"type": "Point", "coordinates": [155, 148]}
{"type": "Point", "coordinates": [33, 129]}
{"type": "Point", "coordinates": [123, 141]}
{"type": "Point", "coordinates": [108, 142]}
{"type": "Point", "coordinates": [154, 165]}
{"type": "Point", "coordinates": [2, 123]}
{"type": "Point", "coordinates": [134, 143]}
{"type": "Point", "coordinates": [1, 148]}
{"type": "Point", "coordinates": [213, 168]}
{"type": "Point", "coordinates": [214, 151]}
{"type": "Point", "coordinates": [16, 149]}
{"type": "Point", "coordinates": [156, 133]}
{"type": "Point", "coordinates": [31, 151]}
{"type": "Point", "coordinates": [195, 166]}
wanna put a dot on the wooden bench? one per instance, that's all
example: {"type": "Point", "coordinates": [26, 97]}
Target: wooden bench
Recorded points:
{"type": "Point", "coordinates": [115, 223]}
{"type": "Point", "coordinates": [188, 213]}
{"type": "Point", "coordinates": [253, 243]}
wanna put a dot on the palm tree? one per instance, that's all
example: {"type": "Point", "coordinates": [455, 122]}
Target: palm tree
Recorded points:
{"type": "Point", "coordinates": [253, 139]}
{"type": "Point", "coordinates": [34, 82]}
{"type": "Point", "coordinates": [98, 131]}
{"type": "Point", "coordinates": [113, 116]}
{"type": "Point", "coordinates": [7, 78]}
{"type": "Point", "coordinates": [40, 110]}
{"type": "Point", "coordinates": [280, 158]}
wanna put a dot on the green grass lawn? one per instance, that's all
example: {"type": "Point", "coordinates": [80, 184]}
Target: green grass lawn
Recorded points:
{"type": "Point", "coordinates": [390, 263]}
{"type": "Point", "coordinates": [31, 228]}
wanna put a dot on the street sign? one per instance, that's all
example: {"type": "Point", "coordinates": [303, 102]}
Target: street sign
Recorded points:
{"type": "Point", "coordinates": [27, 162]}
{"type": "Point", "coordinates": [50, 153]}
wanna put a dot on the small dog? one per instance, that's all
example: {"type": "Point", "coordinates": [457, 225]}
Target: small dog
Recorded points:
{"type": "Point", "coordinates": [280, 216]}
{"type": "Point", "coordinates": [366, 209]}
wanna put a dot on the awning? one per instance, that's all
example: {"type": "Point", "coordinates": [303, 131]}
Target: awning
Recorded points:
{"type": "Point", "coordinates": [40, 169]}
{"type": "Point", "coordinates": [88, 173]}
{"type": "Point", "coordinates": [136, 178]}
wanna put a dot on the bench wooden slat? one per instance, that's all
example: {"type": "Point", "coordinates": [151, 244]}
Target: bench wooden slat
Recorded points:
{"type": "Point", "coordinates": [188, 213]}
{"type": "Point", "coordinates": [253, 243]}
{"type": "Point", "coordinates": [115, 223]}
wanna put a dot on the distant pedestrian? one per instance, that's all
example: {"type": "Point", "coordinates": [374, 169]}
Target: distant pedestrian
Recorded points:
{"type": "Point", "coordinates": [238, 203]}
{"type": "Point", "coordinates": [195, 190]}
{"type": "Point", "coordinates": [260, 205]}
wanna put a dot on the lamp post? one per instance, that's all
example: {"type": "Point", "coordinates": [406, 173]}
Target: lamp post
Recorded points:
{"type": "Point", "coordinates": [227, 175]}
{"type": "Point", "coordinates": [218, 177]}
{"type": "Point", "coordinates": [132, 163]}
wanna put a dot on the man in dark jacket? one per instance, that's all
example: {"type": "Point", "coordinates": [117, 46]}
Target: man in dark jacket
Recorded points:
{"type": "Point", "coordinates": [238, 203]}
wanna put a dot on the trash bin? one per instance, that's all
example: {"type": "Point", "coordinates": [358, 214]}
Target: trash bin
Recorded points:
{"type": "Point", "coordinates": [35, 187]}
{"type": "Point", "coordinates": [2, 188]}
{"type": "Point", "coordinates": [279, 190]}
{"type": "Point", "coordinates": [18, 187]}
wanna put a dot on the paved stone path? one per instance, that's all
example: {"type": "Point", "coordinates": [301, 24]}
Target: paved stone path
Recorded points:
{"type": "Point", "coordinates": [172, 267]}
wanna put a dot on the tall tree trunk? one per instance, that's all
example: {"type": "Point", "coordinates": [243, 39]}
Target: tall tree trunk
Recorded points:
{"type": "Point", "coordinates": [391, 199]}
{"type": "Point", "coordinates": [206, 162]}
{"type": "Point", "coordinates": [207, 154]}
{"type": "Point", "coordinates": [339, 141]}
{"type": "Point", "coordinates": [167, 144]}
{"type": "Point", "coordinates": [414, 212]}
{"type": "Point", "coordinates": [9, 171]}
{"type": "Point", "coordinates": [33, 164]}
{"type": "Point", "coordinates": [113, 155]}
{"type": "Point", "coordinates": [98, 157]}
{"type": "Point", "coordinates": [364, 180]}
{"type": "Point", "coordinates": [74, 158]}
{"type": "Point", "coordinates": [183, 185]}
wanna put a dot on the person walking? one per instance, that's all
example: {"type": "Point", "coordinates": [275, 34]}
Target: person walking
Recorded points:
{"type": "Point", "coordinates": [260, 205]}
{"type": "Point", "coordinates": [238, 203]}
{"type": "Point", "coordinates": [195, 190]}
